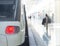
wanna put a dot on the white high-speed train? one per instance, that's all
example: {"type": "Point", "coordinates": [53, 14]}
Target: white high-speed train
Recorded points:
{"type": "Point", "coordinates": [12, 23]}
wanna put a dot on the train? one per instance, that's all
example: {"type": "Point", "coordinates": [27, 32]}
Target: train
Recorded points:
{"type": "Point", "coordinates": [12, 23]}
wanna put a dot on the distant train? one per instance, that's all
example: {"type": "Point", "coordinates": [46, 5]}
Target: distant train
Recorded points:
{"type": "Point", "coordinates": [12, 23]}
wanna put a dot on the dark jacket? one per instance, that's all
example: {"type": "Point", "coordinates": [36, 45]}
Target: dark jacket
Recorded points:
{"type": "Point", "coordinates": [44, 21]}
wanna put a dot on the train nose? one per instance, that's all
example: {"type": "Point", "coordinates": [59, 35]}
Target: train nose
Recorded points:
{"type": "Point", "coordinates": [3, 40]}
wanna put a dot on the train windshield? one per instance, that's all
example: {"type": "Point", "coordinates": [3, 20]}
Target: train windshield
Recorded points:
{"type": "Point", "coordinates": [7, 10]}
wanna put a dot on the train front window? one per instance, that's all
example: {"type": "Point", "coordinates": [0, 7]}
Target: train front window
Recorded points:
{"type": "Point", "coordinates": [7, 10]}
